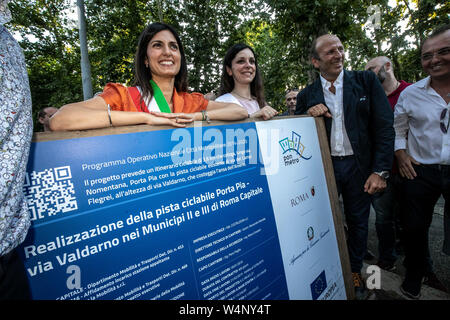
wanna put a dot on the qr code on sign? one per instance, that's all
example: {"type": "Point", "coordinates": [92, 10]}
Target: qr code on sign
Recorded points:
{"type": "Point", "coordinates": [50, 192]}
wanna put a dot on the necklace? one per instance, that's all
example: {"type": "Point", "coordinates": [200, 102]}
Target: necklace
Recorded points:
{"type": "Point", "coordinates": [250, 99]}
{"type": "Point", "coordinates": [396, 87]}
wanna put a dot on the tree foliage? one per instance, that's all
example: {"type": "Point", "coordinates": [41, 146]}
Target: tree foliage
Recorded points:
{"type": "Point", "coordinates": [51, 51]}
{"type": "Point", "coordinates": [280, 31]}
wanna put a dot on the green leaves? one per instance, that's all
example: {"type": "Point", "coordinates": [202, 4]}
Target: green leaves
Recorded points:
{"type": "Point", "coordinates": [280, 31]}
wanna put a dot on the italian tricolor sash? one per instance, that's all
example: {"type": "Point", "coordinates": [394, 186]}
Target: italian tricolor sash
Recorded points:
{"type": "Point", "coordinates": [157, 103]}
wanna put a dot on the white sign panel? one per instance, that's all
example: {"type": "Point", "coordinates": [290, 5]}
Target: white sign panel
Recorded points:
{"type": "Point", "coordinates": [302, 208]}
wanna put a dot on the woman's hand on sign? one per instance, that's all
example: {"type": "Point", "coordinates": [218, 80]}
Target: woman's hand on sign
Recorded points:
{"type": "Point", "coordinates": [266, 113]}
{"type": "Point", "coordinates": [177, 119]}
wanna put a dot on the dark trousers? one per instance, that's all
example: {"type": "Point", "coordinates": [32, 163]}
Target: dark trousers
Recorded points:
{"type": "Point", "coordinates": [386, 210]}
{"type": "Point", "coordinates": [13, 279]}
{"type": "Point", "coordinates": [446, 245]}
{"type": "Point", "coordinates": [418, 198]}
{"type": "Point", "coordinates": [350, 184]}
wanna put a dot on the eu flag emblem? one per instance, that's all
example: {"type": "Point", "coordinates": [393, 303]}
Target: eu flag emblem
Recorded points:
{"type": "Point", "coordinates": [319, 285]}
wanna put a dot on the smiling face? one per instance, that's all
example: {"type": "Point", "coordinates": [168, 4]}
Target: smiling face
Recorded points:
{"type": "Point", "coordinates": [163, 55]}
{"type": "Point", "coordinates": [243, 67]}
{"type": "Point", "coordinates": [436, 56]}
{"type": "Point", "coordinates": [331, 56]}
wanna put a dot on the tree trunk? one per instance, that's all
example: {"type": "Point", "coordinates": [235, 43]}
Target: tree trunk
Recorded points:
{"type": "Point", "coordinates": [85, 65]}
{"type": "Point", "coordinates": [160, 13]}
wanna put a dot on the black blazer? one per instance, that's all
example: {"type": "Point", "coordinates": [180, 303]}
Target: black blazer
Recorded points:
{"type": "Point", "coordinates": [368, 118]}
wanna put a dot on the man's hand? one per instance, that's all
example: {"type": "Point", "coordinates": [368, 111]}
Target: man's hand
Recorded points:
{"type": "Point", "coordinates": [374, 184]}
{"type": "Point", "coordinates": [405, 162]}
{"type": "Point", "coordinates": [319, 110]}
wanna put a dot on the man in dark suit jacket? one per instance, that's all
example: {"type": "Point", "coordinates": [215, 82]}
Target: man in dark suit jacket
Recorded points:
{"type": "Point", "coordinates": [359, 125]}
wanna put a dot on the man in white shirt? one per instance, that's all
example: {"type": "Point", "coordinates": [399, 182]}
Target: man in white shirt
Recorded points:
{"type": "Point", "coordinates": [422, 144]}
{"type": "Point", "coordinates": [358, 121]}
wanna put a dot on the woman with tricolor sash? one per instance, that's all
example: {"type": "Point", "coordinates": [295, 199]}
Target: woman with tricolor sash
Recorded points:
{"type": "Point", "coordinates": [242, 84]}
{"type": "Point", "coordinates": [158, 97]}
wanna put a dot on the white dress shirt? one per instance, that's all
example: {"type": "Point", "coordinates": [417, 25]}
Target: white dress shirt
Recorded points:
{"type": "Point", "coordinates": [339, 142]}
{"type": "Point", "coordinates": [416, 123]}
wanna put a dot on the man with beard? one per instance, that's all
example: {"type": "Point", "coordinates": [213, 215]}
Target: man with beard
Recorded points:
{"type": "Point", "coordinates": [359, 125]}
{"type": "Point", "coordinates": [383, 68]}
{"type": "Point", "coordinates": [291, 102]}
{"type": "Point", "coordinates": [385, 204]}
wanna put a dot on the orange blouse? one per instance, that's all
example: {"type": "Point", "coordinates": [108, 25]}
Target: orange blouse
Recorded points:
{"type": "Point", "coordinates": [119, 98]}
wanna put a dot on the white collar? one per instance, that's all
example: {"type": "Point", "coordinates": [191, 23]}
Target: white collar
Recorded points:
{"type": "Point", "coordinates": [424, 83]}
{"type": "Point", "coordinates": [338, 81]}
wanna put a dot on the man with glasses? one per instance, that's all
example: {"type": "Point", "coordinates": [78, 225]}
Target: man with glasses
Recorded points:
{"type": "Point", "coordinates": [422, 144]}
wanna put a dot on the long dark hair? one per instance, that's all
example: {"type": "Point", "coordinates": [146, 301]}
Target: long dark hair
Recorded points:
{"type": "Point", "coordinates": [227, 81]}
{"type": "Point", "coordinates": [142, 74]}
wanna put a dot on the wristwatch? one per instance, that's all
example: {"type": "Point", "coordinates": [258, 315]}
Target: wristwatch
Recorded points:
{"type": "Point", "coordinates": [383, 174]}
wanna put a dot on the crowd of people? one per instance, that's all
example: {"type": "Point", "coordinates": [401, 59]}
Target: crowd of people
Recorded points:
{"type": "Point", "coordinates": [368, 115]}
{"type": "Point", "coordinates": [403, 224]}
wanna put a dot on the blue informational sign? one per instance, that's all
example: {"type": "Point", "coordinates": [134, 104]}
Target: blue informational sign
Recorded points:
{"type": "Point", "coordinates": [169, 214]}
